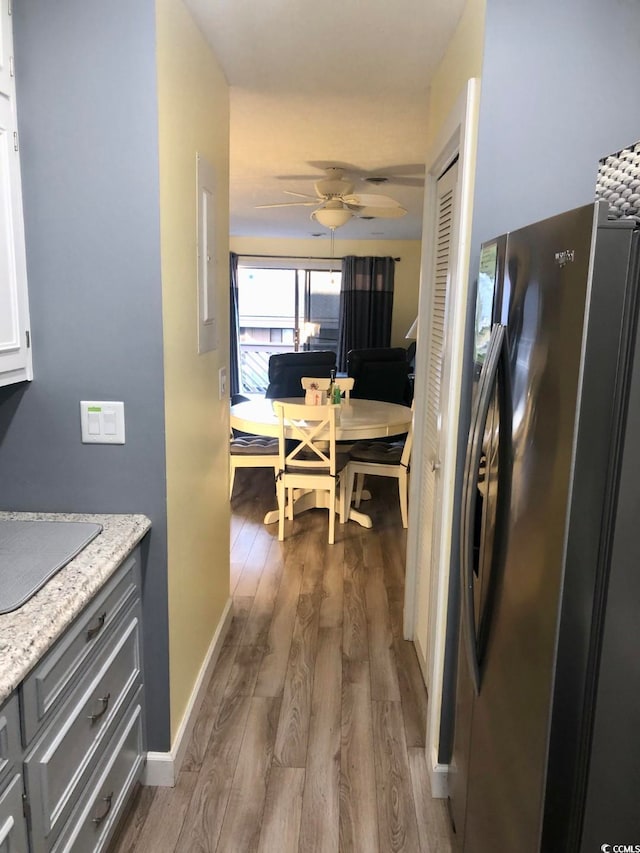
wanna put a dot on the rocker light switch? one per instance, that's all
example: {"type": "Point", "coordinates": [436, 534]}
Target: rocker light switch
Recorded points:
{"type": "Point", "coordinates": [109, 422]}
{"type": "Point", "coordinates": [102, 422]}
{"type": "Point", "coordinates": [94, 423]}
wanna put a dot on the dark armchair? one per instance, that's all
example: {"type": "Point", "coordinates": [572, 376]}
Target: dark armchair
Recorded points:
{"type": "Point", "coordinates": [380, 374]}
{"type": "Point", "coordinates": [286, 369]}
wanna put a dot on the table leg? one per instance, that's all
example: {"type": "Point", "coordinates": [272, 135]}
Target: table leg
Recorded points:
{"type": "Point", "coordinates": [304, 500]}
{"type": "Point", "coordinates": [359, 517]}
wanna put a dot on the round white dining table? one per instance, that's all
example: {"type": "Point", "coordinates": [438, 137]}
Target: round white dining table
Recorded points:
{"type": "Point", "coordinates": [358, 419]}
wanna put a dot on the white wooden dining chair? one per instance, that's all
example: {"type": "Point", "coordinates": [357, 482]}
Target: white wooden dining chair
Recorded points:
{"type": "Point", "coordinates": [247, 450]}
{"type": "Point", "coordinates": [312, 463]}
{"type": "Point", "coordinates": [385, 459]}
{"type": "Point", "coordinates": [251, 451]}
{"type": "Point", "coordinates": [345, 384]}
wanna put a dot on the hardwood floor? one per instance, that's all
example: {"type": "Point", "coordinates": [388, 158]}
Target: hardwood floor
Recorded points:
{"type": "Point", "coordinates": [311, 737]}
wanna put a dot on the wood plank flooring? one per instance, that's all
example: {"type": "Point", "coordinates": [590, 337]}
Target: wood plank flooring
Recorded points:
{"type": "Point", "coordinates": [311, 736]}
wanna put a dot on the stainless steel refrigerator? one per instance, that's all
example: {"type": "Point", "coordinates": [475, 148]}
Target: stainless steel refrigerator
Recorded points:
{"type": "Point", "coordinates": [547, 722]}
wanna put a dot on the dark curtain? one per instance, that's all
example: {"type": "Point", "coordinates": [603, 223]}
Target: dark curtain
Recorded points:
{"type": "Point", "coordinates": [234, 327]}
{"type": "Point", "coordinates": [366, 305]}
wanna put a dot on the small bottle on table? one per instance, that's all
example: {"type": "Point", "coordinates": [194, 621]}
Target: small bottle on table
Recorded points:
{"type": "Point", "coordinates": [332, 385]}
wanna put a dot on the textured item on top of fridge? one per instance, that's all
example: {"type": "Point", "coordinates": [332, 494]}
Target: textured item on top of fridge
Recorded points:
{"type": "Point", "coordinates": [618, 183]}
{"type": "Point", "coordinates": [484, 301]}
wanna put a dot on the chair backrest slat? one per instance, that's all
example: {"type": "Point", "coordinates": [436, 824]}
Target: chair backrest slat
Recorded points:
{"type": "Point", "coordinates": [345, 384]}
{"type": "Point", "coordinates": [313, 428]}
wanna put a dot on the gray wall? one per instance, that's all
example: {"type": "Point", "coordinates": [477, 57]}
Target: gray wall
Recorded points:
{"type": "Point", "coordinates": [88, 128]}
{"type": "Point", "coordinates": [559, 91]}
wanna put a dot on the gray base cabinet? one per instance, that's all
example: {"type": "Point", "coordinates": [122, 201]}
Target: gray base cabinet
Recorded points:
{"type": "Point", "coordinates": [79, 748]}
{"type": "Point", "coordinates": [13, 827]}
{"type": "Point", "coordinates": [102, 803]}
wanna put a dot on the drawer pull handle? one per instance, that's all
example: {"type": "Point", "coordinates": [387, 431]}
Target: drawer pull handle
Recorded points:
{"type": "Point", "coordinates": [105, 703]}
{"type": "Point", "coordinates": [91, 633]}
{"type": "Point", "coordinates": [108, 800]}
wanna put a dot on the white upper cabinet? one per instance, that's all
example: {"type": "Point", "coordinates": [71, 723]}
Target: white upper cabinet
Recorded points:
{"type": "Point", "coordinates": [15, 345]}
{"type": "Point", "coordinates": [6, 62]}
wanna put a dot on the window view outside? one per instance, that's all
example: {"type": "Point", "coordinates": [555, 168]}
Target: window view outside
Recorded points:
{"type": "Point", "coordinates": [283, 311]}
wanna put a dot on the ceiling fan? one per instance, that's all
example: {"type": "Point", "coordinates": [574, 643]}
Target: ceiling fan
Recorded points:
{"type": "Point", "coordinates": [336, 203]}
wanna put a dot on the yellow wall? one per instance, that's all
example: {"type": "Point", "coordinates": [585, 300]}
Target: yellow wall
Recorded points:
{"type": "Point", "coordinates": [407, 273]}
{"type": "Point", "coordinates": [462, 60]}
{"type": "Point", "coordinates": [193, 99]}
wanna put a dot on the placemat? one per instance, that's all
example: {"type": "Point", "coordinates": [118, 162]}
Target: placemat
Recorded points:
{"type": "Point", "coordinates": [31, 552]}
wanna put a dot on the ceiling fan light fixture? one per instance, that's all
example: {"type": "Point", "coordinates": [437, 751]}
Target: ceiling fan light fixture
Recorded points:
{"type": "Point", "coordinates": [332, 217]}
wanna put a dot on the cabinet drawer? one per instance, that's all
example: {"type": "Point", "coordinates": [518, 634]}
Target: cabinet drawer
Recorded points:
{"type": "Point", "coordinates": [54, 677]}
{"type": "Point", "coordinates": [66, 754]}
{"type": "Point", "coordinates": [10, 747]}
{"type": "Point", "coordinates": [13, 830]}
{"type": "Point", "coordinates": [93, 821]}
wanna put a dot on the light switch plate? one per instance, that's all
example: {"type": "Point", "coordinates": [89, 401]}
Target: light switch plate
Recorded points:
{"type": "Point", "coordinates": [222, 383]}
{"type": "Point", "coordinates": [102, 422]}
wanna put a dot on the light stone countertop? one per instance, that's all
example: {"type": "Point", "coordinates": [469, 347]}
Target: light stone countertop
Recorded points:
{"type": "Point", "coordinates": [27, 633]}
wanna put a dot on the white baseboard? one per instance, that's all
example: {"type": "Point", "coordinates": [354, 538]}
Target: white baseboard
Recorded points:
{"type": "Point", "coordinates": [438, 776]}
{"type": "Point", "coordinates": [162, 768]}
{"type": "Point", "coordinates": [159, 770]}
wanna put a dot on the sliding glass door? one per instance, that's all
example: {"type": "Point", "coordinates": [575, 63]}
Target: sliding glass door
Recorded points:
{"type": "Point", "coordinates": [283, 310]}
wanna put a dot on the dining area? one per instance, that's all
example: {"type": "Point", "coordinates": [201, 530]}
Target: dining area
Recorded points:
{"type": "Point", "coordinates": [320, 437]}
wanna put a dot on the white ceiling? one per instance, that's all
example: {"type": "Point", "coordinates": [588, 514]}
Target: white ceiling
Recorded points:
{"type": "Point", "coordinates": [318, 83]}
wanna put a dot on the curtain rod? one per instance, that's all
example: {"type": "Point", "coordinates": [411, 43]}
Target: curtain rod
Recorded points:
{"type": "Point", "coordinates": [295, 257]}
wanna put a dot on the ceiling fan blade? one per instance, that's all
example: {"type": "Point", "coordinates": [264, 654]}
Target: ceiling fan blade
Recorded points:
{"type": "Point", "coordinates": [402, 182]}
{"type": "Point", "coordinates": [379, 212]}
{"type": "Point", "coordinates": [301, 195]}
{"type": "Point", "coordinates": [413, 169]}
{"type": "Point", "coordinates": [290, 204]}
{"type": "Point", "coordinates": [370, 200]}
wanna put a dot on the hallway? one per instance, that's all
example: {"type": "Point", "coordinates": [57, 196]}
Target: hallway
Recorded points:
{"type": "Point", "coordinates": [311, 737]}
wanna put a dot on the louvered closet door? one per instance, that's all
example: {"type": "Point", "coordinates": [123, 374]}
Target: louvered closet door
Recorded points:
{"type": "Point", "coordinates": [430, 498]}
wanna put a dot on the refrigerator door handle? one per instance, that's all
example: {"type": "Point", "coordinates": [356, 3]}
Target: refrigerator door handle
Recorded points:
{"type": "Point", "coordinates": [496, 350]}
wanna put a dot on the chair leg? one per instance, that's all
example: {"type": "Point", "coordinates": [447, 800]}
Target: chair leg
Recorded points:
{"type": "Point", "coordinates": [290, 504]}
{"type": "Point", "coordinates": [342, 495]}
{"type": "Point", "coordinates": [280, 490]}
{"type": "Point", "coordinates": [232, 477]}
{"type": "Point", "coordinates": [359, 485]}
{"type": "Point", "coordinates": [332, 514]}
{"type": "Point", "coordinates": [347, 476]}
{"type": "Point", "coordinates": [403, 489]}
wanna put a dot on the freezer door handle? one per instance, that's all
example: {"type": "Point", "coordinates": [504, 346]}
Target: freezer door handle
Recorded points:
{"type": "Point", "coordinates": [496, 352]}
